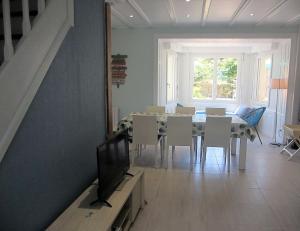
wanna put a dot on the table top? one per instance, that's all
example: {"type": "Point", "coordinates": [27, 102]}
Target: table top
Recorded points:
{"type": "Point", "coordinates": [239, 127]}
{"type": "Point", "coordinates": [197, 118]}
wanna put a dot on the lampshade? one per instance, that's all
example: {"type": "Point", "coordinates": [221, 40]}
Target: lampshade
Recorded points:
{"type": "Point", "coordinates": [279, 84]}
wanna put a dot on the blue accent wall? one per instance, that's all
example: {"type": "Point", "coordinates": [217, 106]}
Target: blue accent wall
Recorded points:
{"type": "Point", "coordinates": [52, 158]}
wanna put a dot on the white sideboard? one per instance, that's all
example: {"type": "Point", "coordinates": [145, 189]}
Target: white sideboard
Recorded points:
{"type": "Point", "coordinates": [81, 216]}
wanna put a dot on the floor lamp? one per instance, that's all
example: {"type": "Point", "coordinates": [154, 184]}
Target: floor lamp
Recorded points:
{"type": "Point", "coordinates": [278, 84]}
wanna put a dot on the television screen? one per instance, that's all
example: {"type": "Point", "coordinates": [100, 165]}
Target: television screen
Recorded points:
{"type": "Point", "coordinates": [113, 163]}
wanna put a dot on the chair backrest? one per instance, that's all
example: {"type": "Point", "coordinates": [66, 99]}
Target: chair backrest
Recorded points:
{"type": "Point", "coordinates": [242, 111]}
{"type": "Point", "coordinates": [144, 129]}
{"type": "Point", "coordinates": [186, 110]}
{"type": "Point", "coordinates": [253, 117]}
{"type": "Point", "coordinates": [217, 131]}
{"type": "Point", "coordinates": [155, 109]}
{"type": "Point", "coordinates": [215, 111]}
{"type": "Point", "coordinates": [179, 130]}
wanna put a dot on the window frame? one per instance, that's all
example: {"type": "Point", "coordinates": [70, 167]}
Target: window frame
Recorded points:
{"type": "Point", "coordinates": [214, 93]}
{"type": "Point", "coordinates": [256, 80]}
{"type": "Point", "coordinates": [172, 54]}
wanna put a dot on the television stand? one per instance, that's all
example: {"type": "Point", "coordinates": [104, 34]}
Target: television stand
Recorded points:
{"type": "Point", "coordinates": [126, 203]}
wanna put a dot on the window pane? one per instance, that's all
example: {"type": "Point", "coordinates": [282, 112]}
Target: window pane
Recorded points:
{"type": "Point", "coordinates": [203, 78]}
{"type": "Point", "coordinates": [226, 78]}
{"type": "Point", "coordinates": [265, 66]}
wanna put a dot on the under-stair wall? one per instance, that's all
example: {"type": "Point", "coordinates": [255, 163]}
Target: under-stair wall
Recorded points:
{"type": "Point", "coordinates": [52, 157]}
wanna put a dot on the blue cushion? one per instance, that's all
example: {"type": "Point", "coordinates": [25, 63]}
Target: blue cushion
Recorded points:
{"type": "Point", "coordinates": [243, 110]}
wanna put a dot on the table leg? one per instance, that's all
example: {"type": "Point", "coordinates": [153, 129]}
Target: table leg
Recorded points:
{"type": "Point", "coordinates": [142, 179]}
{"type": "Point", "coordinates": [166, 154]}
{"type": "Point", "coordinates": [233, 146]}
{"type": "Point", "coordinates": [243, 152]}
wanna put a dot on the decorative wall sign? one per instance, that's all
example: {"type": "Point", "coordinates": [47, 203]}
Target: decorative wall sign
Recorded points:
{"type": "Point", "coordinates": [119, 69]}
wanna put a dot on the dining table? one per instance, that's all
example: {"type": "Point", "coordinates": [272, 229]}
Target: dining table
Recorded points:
{"type": "Point", "coordinates": [239, 130]}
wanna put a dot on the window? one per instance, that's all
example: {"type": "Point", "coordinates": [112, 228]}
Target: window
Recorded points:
{"type": "Point", "coordinates": [171, 77]}
{"type": "Point", "coordinates": [215, 78]}
{"type": "Point", "coordinates": [263, 78]}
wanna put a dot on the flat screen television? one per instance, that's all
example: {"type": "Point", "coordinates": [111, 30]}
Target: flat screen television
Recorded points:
{"type": "Point", "coordinates": [113, 163]}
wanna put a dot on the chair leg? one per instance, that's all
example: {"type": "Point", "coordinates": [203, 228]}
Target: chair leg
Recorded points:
{"type": "Point", "coordinates": [173, 150]}
{"type": "Point", "coordinates": [166, 155]}
{"type": "Point", "coordinates": [191, 157]}
{"type": "Point", "coordinates": [258, 135]}
{"type": "Point", "coordinates": [228, 161]}
{"type": "Point", "coordinates": [139, 150]}
{"type": "Point", "coordinates": [161, 151]}
{"type": "Point", "coordinates": [195, 146]}
{"type": "Point", "coordinates": [201, 148]}
{"type": "Point", "coordinates": [156, 152]}
{"type": "Point", "coordinates": [203, 156]}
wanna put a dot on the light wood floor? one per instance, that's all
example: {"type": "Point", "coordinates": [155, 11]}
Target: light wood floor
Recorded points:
{"type": "Point", "coordinates": [265, 197]}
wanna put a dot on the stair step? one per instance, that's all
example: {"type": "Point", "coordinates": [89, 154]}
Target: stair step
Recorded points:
{"type": "Point", "coordinates": [14, 37]}
{"type": "Point", "coordinates": [17, 14]}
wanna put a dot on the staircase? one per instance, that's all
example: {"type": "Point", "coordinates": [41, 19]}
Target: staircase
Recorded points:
{"type": "Point", "coordinates": [16, 18]}
{"type": "Point", "coordinates": [31, 32]}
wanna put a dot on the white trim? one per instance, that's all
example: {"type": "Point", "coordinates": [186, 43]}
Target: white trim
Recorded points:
{"type": "Point", "coordinates": [271, 12]}
{"type": "Point", "coordinates": [139, 10]}
{"type": "Point", "coordinates": [171, 10]}
{"type": "Point", "coordinates": [205, 11]}
{"type": "Point", "coordinates": [243, 5]}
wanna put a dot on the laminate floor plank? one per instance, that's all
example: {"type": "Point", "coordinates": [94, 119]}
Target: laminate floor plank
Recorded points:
{"type": "Point", "coordinates": [264, 197]}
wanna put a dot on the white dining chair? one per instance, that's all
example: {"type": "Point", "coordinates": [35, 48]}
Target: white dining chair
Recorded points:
{"type": "Point", "coordinates": [145, 132]}
{"type": "Point", "coordinates": [155, 109]}
{"type": "Point", "coordinates": [215, 111]}
{"type": "Point", "coordinates": [179, 133]}
{"type": "Point", "coordinates": [186, 110]}
{"type": "Point", "coordinates": [217, 133]}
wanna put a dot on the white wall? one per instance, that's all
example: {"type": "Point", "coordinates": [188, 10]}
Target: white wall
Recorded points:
{"type": "Point", "coordinates": [141, 47]}
{"type": "Point", "coordinates": [137, 92]}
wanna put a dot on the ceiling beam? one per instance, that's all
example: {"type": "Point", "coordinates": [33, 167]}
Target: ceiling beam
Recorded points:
{"type": "Point", "coordinates": [139, 10]}
{"type": "Point", "coordinates": [294, 19]}
{"type": "Point", "coordinates": [239, 10]}
{"type": "Point", "coordinates": [205, 11]}
{"type": "Point", "coordinates": [271, 12]}
{"type": "Point", "coordinates": [171, 10]}
{"type": "Point", "coordinates": [123, 19]}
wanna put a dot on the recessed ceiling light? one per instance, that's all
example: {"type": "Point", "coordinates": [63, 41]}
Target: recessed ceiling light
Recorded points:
{"type": "Point", "coordinates": [251, 14]}
{"type": "Point", "coordinates": [131, 16]}
{"type": "Point", "coordinates": [187, 0]}
{"type": "Point", "coordinates": [188, 15]}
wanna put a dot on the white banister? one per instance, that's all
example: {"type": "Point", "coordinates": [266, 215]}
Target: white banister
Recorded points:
{"type": "Point", "coordinates": [8, 45]}
{"type": "Point", "coordinates": [21, 76]}
{"type": "Point", "coordinates": [26, 19]}
{"type": "Point", "coordinates": [41, 6]}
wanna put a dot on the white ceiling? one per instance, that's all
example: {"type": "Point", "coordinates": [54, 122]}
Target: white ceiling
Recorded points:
{"type": "Point", "coordinates": [159, 13]}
